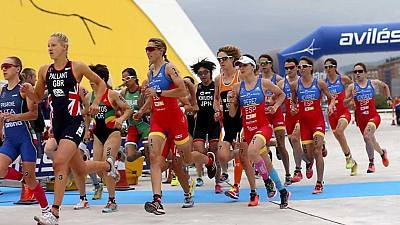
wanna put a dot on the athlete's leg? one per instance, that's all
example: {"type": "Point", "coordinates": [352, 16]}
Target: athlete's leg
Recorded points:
{"type": "Point", "coordinates": [28, 170]}
{"type": "Point", "coordinates": [156, 144]}
{"type": "Point", "coordinates": [198, 146]}
{"type": "Point", "coordinates": [339, 135]}
{"type": "Point", "coordinates": [317, 151]}
{"type": "Point", "coordinates": [369, 144]}
{"type": "Point", "coordinates": [294, 140]}
{"type": "Point", "coordinates": [280, 139]}
{"type": "Point", "coordinates": [110, 149]}
{"type": "Point", "coordinates": [50, 148]}
{"type": "Point", "coordinates": [5, 161]}
{"type": "Point", "coordinates": [243, 154]}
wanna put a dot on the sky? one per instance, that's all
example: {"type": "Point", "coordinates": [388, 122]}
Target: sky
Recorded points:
{"type": "Point", "coordinates": [257, 26]}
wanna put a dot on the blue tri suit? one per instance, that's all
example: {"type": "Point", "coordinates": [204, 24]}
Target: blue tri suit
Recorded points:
{"type": "Point", "coordinates": [18, 138]}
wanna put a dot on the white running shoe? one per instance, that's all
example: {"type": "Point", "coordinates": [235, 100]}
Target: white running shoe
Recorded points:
{"type": "Point", "coordinates": [46, 219]}
{"type": "Point", "coordinates": [82, 204]}
{"type": "Point", "coordinates": [113, 172]}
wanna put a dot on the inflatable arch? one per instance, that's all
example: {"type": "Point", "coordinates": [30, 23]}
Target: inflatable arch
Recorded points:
{"type": "Point", "coordinates": [341, 39]}
{"type": "Point", "coordinates": [100, 31]}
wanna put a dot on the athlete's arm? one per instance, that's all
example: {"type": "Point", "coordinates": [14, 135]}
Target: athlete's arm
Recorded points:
{"type": "Point", "coordinates": [192, 91]}
{"type": "Point", "coordinates": [278, 78]}
{"type": "Point", "coordinates": [32, 112]}
{"type": "Point", "coordinates": [324, 88]}
{"type": "Point", "coordinates": [278, 93]}
{"type": "Point", "coordinates": [293, 89]}
{"type": "Point", "coordinates": [83, 70]}
{"type": "Point", "coordinates": [280, 84]}
{"type": "Point", "coordinates": [217, 97]}
{"type": "Point", "coordinates": [178, 91]}
{"type": "Point", "coordinates": [88, 117]}
{"type": "Point", "coordinates": [233, 100]}
{"type": "Point", "coordinates": [349, 95]}
{"type": "Point", "coordinates": [118, 102]}
{"type": "Point", "coordinates": [386, 90]}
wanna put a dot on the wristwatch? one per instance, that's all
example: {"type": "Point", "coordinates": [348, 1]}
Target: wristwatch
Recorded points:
{"type": "Point", "coordinates": [389, 98]}
{"type": "Point", "coordinates": [158, 92]}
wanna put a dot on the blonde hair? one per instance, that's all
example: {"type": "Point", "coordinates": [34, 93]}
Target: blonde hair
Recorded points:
{"type": "Point", "coordinates": [62, 38]}
{"type": "Point", "coordinates": [160, 43]}
{"type": "Point", "coordinates": [230, 50]}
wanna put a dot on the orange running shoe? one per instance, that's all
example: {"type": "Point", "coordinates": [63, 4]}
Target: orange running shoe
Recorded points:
{"type": "Point", "coordinates": [318, 188]}
{"type": "Point", "coordinates": [253, 199]}
{"type": "Point", "coordinates": [385, 160]}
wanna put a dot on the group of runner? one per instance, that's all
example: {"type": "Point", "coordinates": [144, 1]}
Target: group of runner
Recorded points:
{"type": "Point", "coordinates": [233, 117]}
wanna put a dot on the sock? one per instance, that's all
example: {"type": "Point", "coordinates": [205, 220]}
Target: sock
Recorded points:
{"type": "Point", "coordinates": [371, 160]}
{"type": "Point", "coordinates": [157, 197]}
{"type": "Point", "coordinates": [348, 155]}
{"type": "Point", "coordinates": [237, 171]}
{"type": "Point", "coordinates": [83, 197]}
{"type": "Point", "coordinates": [38, 192]}
{"type": "Point", "coordinates": [274, 176]}
{"type": "Point", "coordinates": [111, 199]}
{"type": "Point", "coordinates": [260, 166]}
{"type": "Point", "coordinates": [13, 174]}
{"type": "Point", "coordinates": [253, 191]}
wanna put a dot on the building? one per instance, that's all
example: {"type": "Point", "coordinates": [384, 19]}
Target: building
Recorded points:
{"type": "Point", "coordinates": [389, 72]}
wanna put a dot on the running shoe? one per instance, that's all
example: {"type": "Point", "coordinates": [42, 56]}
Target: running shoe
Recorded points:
{"type": "Point", "coordinates": [297, 176]}
{"type": "Point", "coordinates": [113, 170]}
{"type": "Point", "coordinates": [309, 170]}
{"type": "Point", "coordinates": [211, 169]}
{"type": "Point", "coordinates": [218, 189]}
{"type": "Point", "coordinates": [385, 160]}
{"type": "Point", "coordinates": [270, 186]}
{"type": "Point", "coordinates": [110, 207]}
{"type": "Point", "coordinates": [288, 180]}
{"type": "Point", "coordinates": [253, 199]}
{"type": "Point", "coordinates": [224, 177]}
{"type": "Point", "coordinates": [285, 195]}
{"type": "Point", "coordinates": [199, 182]}
{"type": "Point", "coordinates": [46, 219]}
{"type": "Point", "coordinates": [98, 193]}
{"type": "Point", "coordinates": [354, 169]}
{"type": "Point", "coordinates": [154, 207]}
{"type": "Point", "coordinates": [349, 162]}
{"type": "Point", "coordinates": [233, 192]}
{"type": "Point", "coordinates": [174, 181]}
{"type": "Point", "coordinates": [371, 168]}
{"type": "Point", "coordinates": [324, 151]}
{"type": "Point", "coordinates": [192, 185]}
{"type": "Point", "coordinates": [318, 189]}
{"type": "Point", "coordinates": [82, 204]}
{"type": "Point", "coordinates": [188, 201]}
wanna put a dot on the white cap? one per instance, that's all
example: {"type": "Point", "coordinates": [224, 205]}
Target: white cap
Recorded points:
{"type": "Point", "coordinates": [245, 60]}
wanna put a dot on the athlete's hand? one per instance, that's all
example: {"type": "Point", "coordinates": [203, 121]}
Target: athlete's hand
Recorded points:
{"type": "Point", "coordinates": [232, 96]}
{"type": "Point", "coordinates": [137, 115]}
{"type": "Point", "coordinates": [94, 109]}
{"type": "Point", "coordinates": [189, 109]}
{"type": "Point", "coordinates": [26, 88]}
{"type": "Point", "coordinates": [389, 103]}
{"type": "Point", "coordinates": [9, 116]}
{"type": "Point", "coordinates": [150, 92]}
{"type": "Point", "coordinates": [217, 116]}
{"type": "Point", "coordinates": [293, 109]}
{"type": "Point", "coordinates": [271, 109]}
{"type": "Point", "coordinates": [196, 108]}
{"type": "Point", "coordinates": [331, 109]}
{"type": "Point", "coordinates": [118, 123]}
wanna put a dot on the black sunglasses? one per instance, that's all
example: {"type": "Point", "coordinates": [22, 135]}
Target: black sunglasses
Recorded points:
{"type": "Point", "coordinates": [358, 71]}
{"type": "Point", "coordinates": [290, 67]}
{"type": "Point", "coordinates": [223, 58]}
{"type": "Point", "coordinates": [202, 73]}
{"type": "Point", "coordinates": [329, 66]}
{"type": "Point", "coordinates": [150, 49]}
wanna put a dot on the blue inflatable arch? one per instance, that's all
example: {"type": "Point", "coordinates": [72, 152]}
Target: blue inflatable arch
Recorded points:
{"type": "Point", "coordinates": [342, 39]}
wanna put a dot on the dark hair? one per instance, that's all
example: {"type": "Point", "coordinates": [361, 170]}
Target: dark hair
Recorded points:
{"type": "Point", "coordinates": [333, 61]}
{"type": "Point", "coordinates": [160, 43]}
{"type": "Point", "coordinates": [293, 60]}
{"type": "Point", "coordinates": [269, 58]}
{"type": "Point", "coordinates": [362, 65]}
{"type": "Point", "coordinates": [27, 72]}
{"type": "Point", "coordinates": [210, 66]}
{"type": "Point", "coordinates": [190, 78]}
{"type": "Point", "coordinates": [254, 59]}
{"type": "Point", "coordinates": [131, 72]}
{"type": "Point", "coordinates": [101, 71]}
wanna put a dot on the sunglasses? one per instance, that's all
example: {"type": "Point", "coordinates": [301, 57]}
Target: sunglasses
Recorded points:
{"type": "Point", "coordinates": [150, 49]}
{"type": "Point", "coordinates": [125, 79]}
{"type": "Point", "coordinates": [304, 66]}
{"type": "Point", "coordinates": [7, 66]}
{"type": "Point", "coordinates": [202, 73]}
{"type": "Point", "coordinates": [358, 71]}
{"type": "Point", "coordinates": [263, 63]}
{"type": "Point", "coordinates": [329, 66]}
{"type": "Point", "coordinates": [223, 58]}
{"type": "Point", "coordinates": [290, 67]}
